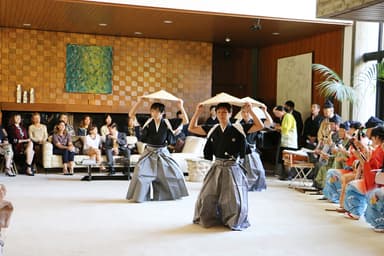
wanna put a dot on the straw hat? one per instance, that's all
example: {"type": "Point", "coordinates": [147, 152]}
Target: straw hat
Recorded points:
{"type": "Point", "coordinates": [254, 102]}
{"type": "Point", "coordinates": [161, 95]}
{"type": "Point", "coordinates": [259, 113]}
{"type": "Point", "coordinates": [224, 97]}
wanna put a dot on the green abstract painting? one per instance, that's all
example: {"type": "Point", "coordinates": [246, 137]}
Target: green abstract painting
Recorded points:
{"type": "Point", "coordinates": [89, 69]}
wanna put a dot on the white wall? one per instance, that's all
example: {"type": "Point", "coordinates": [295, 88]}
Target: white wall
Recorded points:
{"type": "Point", "coordinates": [366, 40]}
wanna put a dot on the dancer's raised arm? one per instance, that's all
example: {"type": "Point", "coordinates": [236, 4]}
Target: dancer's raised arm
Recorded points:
{"type": "Point", "coordinates": [193, 126]}
{"type": "Point", "coordinates": [257, 124]}
{"type": "Point", "coordinates": [180, 105]}
{"type": "Point", "coordinates": [132, 112]}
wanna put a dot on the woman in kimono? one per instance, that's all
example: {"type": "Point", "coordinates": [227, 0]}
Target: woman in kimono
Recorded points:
{"type": "Point", "coordinates": [355, 200]}
{"type": "Point", "coordinates": [252, 162]}
{"type": "Point", "coordinates": [223, 198]}
{"type": "Point", "coordinates": [156, 167]}
{"type": "Point", "coordinates": [374, 214]}
{"type": "Point", "coordinates": [344, 168]}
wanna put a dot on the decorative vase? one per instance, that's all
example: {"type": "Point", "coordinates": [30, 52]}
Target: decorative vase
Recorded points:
{"type": "Point", "coordinates": [18, 93]}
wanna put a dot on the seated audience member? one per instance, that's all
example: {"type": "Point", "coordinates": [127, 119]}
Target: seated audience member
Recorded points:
{"type": "Point", "coordinates": [328, 113]}
{"type": "Point", "coordinates": [6, 209]}
{"type": "Point", "coordinates": [7, 152]}
{"type": "Point", "coordinates": [21, 144]}
{"type": "Point", "coordinates": [68, 127]}
{"type": "Point", "coordinates": [133, 127]}
{"type": "Point", "coordinates": [107, 121]}
{"type": "Point", "coordinates": [338, 179]}
{"type": "Point", "coordinates": [212, 119]}
{"type": "Point", "coordinates": [92, 144]}
{"type": "Point", "coordinates": [374, 214]}
{"type": "Point", "coordinates": [180, 136]}
{"type": "Point", "coordinates": [288, 139]}
{"type": "Point", "coordinates": [116, 144]}
{"type": "Point", "coordinates": [341, 153]}
{"type": "Point", "coordinates": [311, 127]}
{"type": "Point", "coordinates": [38, 134]}
{"type": "Point", "coordinates": [326, 151]}
{"type": "Point", "coordinates": [62, 145]}
{"type": "Point", "coordinates": [290, 108]}
{"type": "Point", "coordinates": [370, 158]}
{"type": "Point", "coordinates": [84, 124]}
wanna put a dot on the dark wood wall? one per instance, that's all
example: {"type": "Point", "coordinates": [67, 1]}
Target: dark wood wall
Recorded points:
{"type": "Point", "coordinates": [253, 72]}
{"type": "Point", "coordinates": [232, 71]}
{"type": "Point", "coordinates": [327, 49]}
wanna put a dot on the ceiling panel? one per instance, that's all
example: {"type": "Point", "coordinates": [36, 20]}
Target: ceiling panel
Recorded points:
{"type": "Point", "coordinates": [123, 20]}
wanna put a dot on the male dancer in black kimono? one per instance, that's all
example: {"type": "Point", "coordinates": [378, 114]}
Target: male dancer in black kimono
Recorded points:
{"type": "Point", "coordinates": [156, 167]}
{"type": "Point", "coordinates": [252, 161]}
{"type": "Point", "coordinates": [223, 199]}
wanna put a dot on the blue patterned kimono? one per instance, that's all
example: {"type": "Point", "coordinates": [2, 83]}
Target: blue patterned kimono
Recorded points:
{"type": "Point", "coordinates": [332, 188]}
{"type": "Point", "coordinates": [374, 214]}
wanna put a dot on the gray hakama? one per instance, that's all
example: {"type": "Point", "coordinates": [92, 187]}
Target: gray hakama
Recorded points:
{"type": "Point", "coordinates": [158, 169]}
{"type": "Point", "coordinates": [223, 199]}
{"type": "Point", "coordinates": [255, 170]}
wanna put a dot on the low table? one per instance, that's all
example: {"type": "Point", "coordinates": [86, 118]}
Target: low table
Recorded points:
{"type": "Point", "coordinates": [89, 163]}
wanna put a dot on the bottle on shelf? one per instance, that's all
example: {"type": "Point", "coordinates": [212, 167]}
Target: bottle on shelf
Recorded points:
{"type": "Point", "coordinates": [32, 95]}
{"type": "Point", "coordinates": [18, 93]}
{"type": "Point", "coordinates": [25, 97]}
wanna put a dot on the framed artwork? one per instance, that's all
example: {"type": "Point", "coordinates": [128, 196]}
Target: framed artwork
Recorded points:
{"type": "Point", "coordinates": [294, 82]}
{"type": "Point", "coordinates": [89, 69]}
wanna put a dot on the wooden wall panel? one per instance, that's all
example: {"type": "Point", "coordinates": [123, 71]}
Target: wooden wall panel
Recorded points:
{"type": "Point", "coordinates": [232, 71]}
{"type": "Point", "coordinates": [327, 49]}
{"type": "Point", "coordinates": [36, 59]}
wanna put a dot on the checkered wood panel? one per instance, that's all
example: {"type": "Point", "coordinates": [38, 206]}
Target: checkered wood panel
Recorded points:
{"type": "Point", "coordinates": [36, 59]}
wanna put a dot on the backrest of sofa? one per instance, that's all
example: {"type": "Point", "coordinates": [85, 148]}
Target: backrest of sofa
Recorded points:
{"type": "Point", "coordinates": [194, 145]}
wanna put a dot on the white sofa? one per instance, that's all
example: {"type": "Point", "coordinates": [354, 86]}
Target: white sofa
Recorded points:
{"type": "Point", "coordinates": [193, 149]}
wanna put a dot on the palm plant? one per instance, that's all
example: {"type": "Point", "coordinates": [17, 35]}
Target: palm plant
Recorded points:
{"type": "Point", "coordinates": [333, 86]}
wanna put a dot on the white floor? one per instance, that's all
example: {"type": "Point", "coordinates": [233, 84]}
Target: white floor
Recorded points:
{"type": "Point", "coordinates": [59, 215]}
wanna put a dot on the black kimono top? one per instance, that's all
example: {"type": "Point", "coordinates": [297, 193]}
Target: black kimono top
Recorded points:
{"type": "Point", "coordinates": [157, 138]}
{"type": "Point", "coordinates": [250, 137]}
{"type": "Point", "coordinates": [228, 144]}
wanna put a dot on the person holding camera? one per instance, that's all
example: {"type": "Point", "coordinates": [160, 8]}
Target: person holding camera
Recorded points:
{"type": "Point", "coordinates": [371, 157]}
{"type": "Point", "coordinates": [344, 167]}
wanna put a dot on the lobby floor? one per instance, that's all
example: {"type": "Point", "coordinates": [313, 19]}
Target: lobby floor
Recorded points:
{"type": "Point", "coordinates": [61, 215]}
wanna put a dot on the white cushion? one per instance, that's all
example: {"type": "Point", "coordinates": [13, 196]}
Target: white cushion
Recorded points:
{"type": "Point", "coordinates": [194, 145]}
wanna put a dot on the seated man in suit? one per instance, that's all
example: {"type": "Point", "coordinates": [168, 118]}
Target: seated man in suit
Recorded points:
{"type": "Point", "coordinates": [116, 144]}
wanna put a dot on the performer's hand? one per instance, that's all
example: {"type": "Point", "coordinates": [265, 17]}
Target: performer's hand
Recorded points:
{"type": "Point", "coordinates": [247, 107]}
{"type": "Point", "coordinates": [180, 103]}
{"type": "Point", "coordinates": [199, 108]}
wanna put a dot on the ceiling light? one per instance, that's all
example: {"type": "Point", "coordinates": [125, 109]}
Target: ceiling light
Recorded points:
{"type": "Point", "coordinates": [227, 39]}
{"type": "Point", "coordinates": [168, 21]}
{"type": "Point", "coordinates": [275, 33]}
{"type": "Point", "coordinates": [103, 24]}
{"type": "Point", "coordinates": [26, 25]}
{"type": "Point", "coordinates": [137, 33]}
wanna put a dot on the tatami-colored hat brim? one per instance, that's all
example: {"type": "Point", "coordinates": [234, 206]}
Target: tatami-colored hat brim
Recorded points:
{"type": "Point", "coordinates": [254, 102]}
{"type": "Point", "coordinates": [224, 98]}
{"type": "Point", "coordinates": [259, 113]}
{"type": "Point", "coordinates": [161, 95]}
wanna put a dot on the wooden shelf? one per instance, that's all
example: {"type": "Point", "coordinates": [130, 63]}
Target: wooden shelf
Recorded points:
{"type": "Point", "coordinates": [70, 108]}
